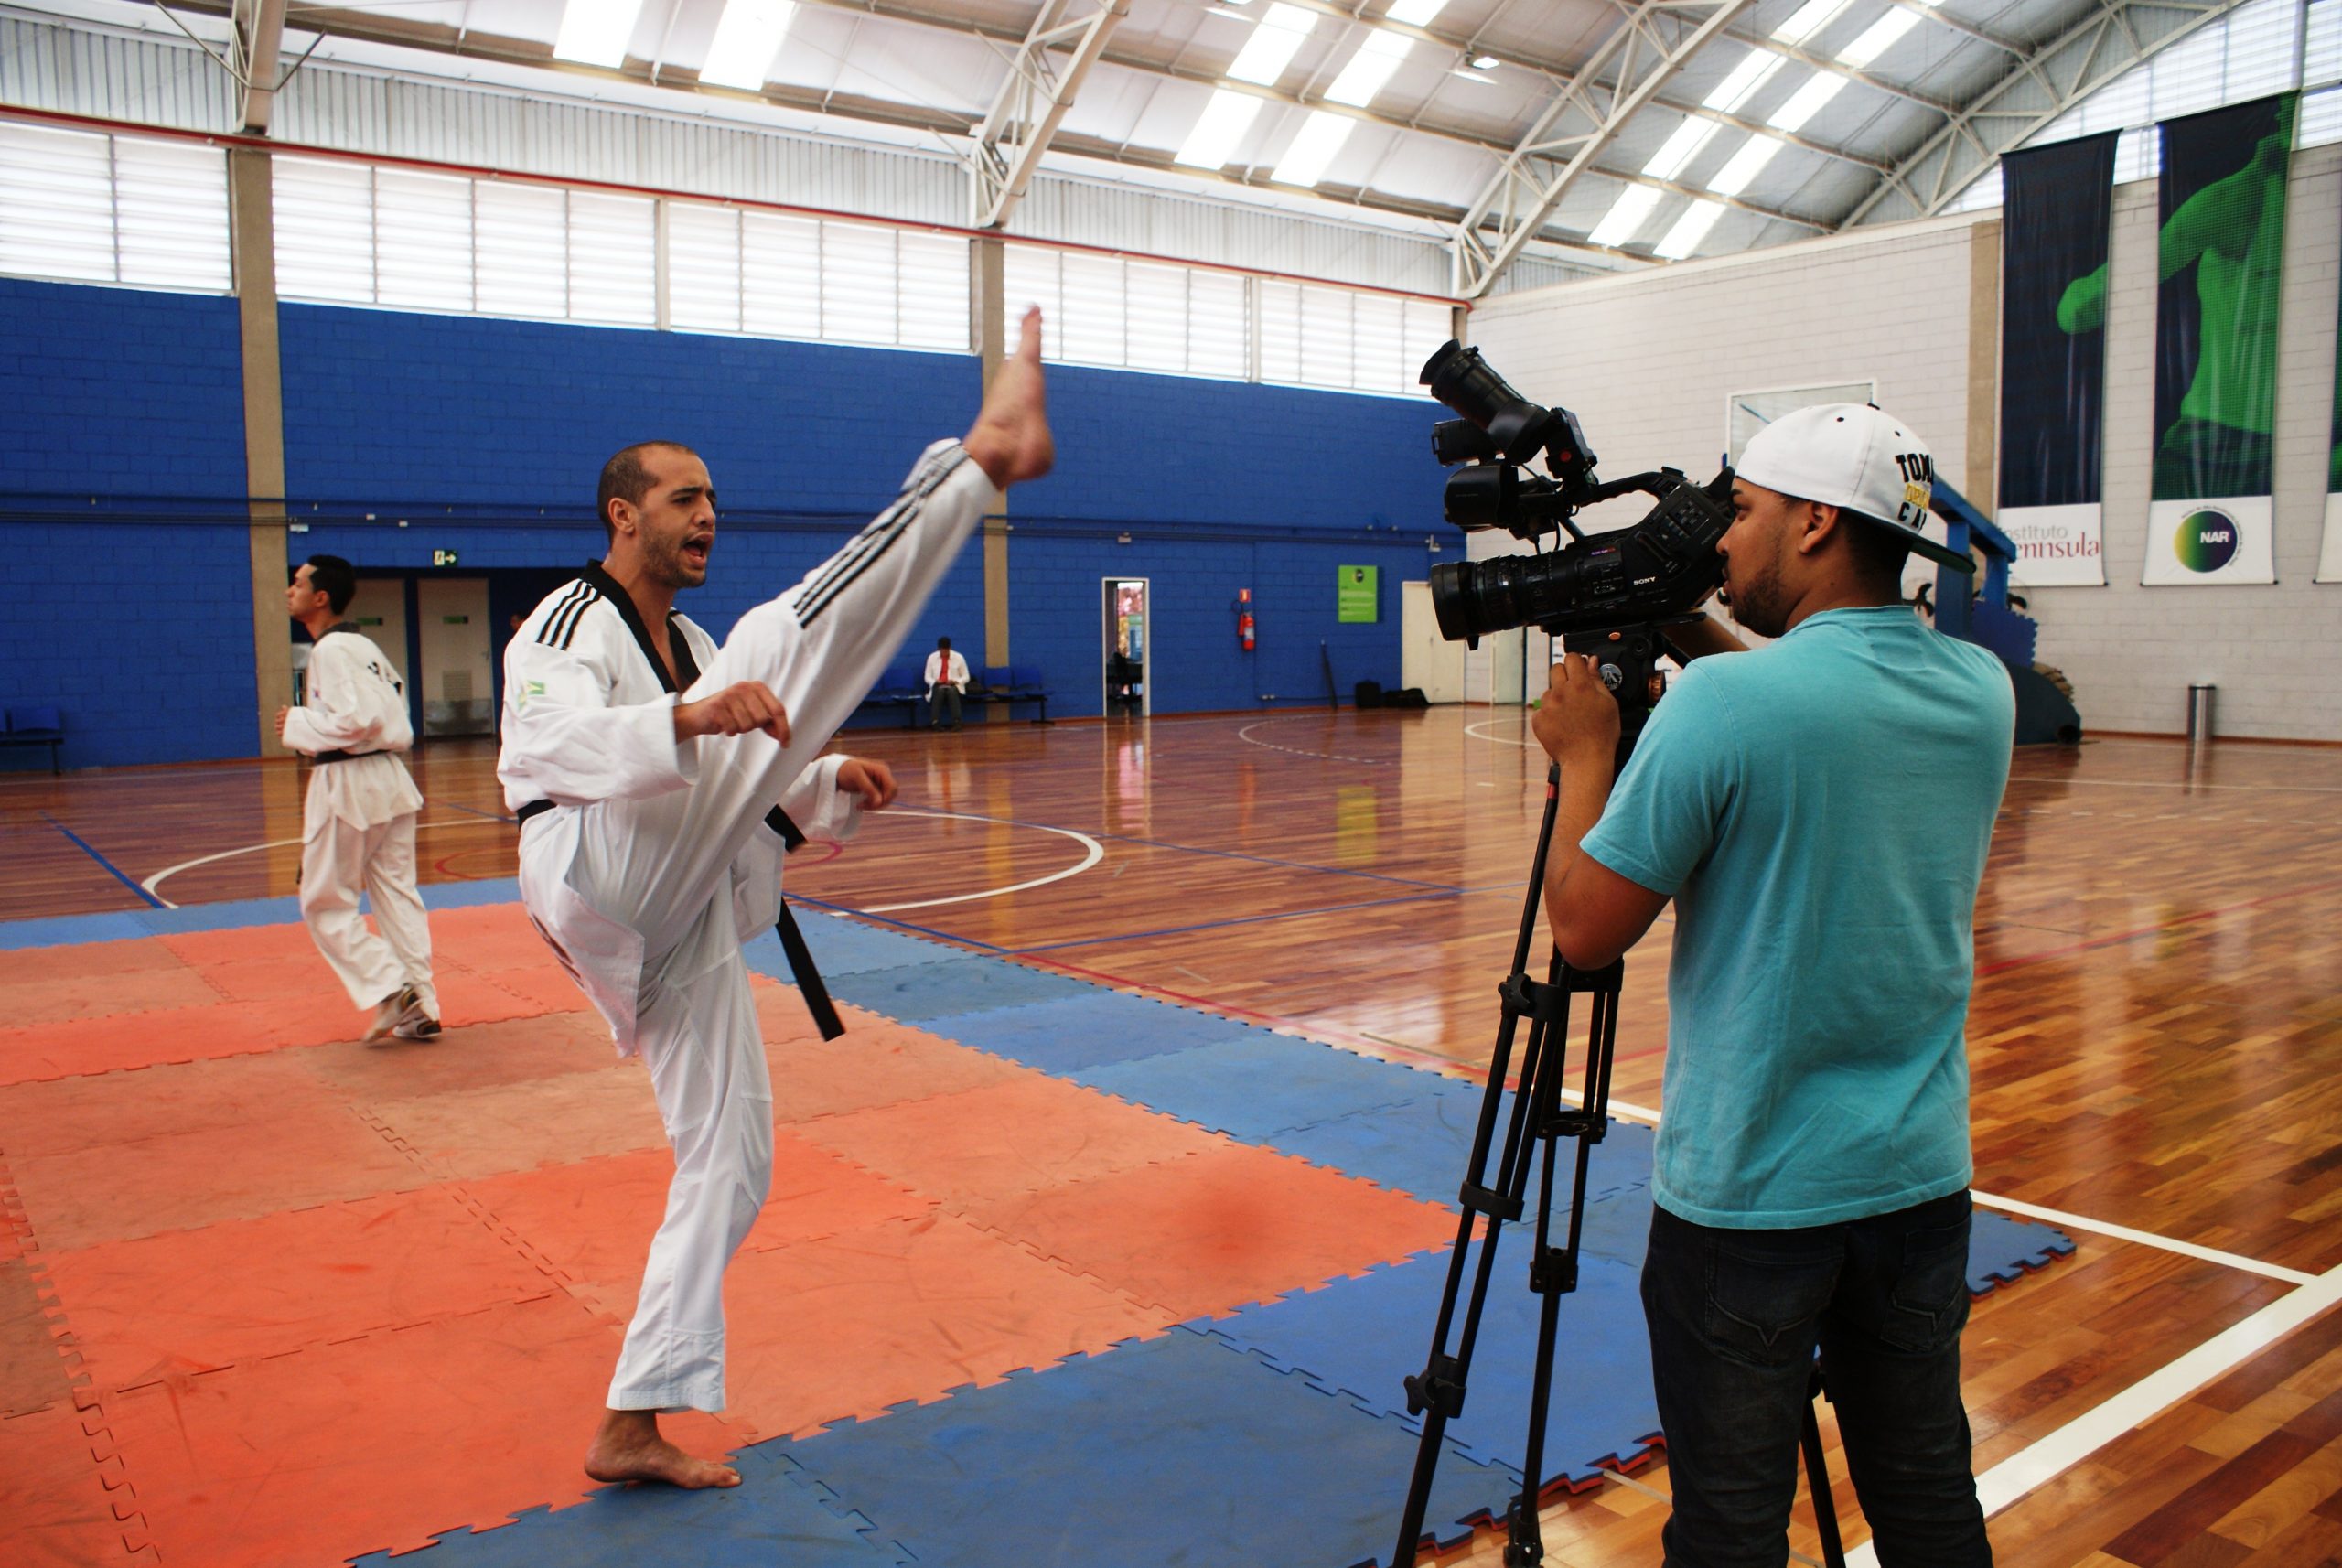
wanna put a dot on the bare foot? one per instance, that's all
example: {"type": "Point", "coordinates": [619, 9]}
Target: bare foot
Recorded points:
{"type": "Point", "coordinates": [627, 1447]}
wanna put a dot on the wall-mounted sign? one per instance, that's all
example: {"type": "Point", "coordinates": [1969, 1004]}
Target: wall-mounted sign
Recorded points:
{"type": "Point", "coordinates": [442, 557]}
{"type": "Point", "coordinates": [1357, 594]}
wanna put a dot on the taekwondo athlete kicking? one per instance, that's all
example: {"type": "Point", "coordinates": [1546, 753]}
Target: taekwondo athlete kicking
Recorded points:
{"type": "Point", "coordinates": [643, 760]}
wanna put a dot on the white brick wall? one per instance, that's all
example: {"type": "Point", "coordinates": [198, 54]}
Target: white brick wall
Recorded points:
{"type": "Point", "coordinates": [1648, 361]}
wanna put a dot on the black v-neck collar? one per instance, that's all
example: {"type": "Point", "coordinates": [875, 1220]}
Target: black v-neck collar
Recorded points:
{"type": "Point", "coordinates": [686, 667]}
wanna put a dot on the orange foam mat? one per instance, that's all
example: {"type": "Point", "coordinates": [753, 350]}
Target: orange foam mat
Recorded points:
{"type": "Point", "coordinates": [180, 1181]}
{"type": "Point", "coordinates": [60, 1115]}
{"type": "Point", "coordinates": [594, 1220]}
{"type": "Point", "coordinates": [1019, 1135]}
{"type": "Point", "coordinates": [489, 938]}
{"type": "Point", "coordinates": [62, 998]}
{"type": "Point", "coordinates": [237, 944]}
{"type": "Point", "coordinates": [1216, 1230]}
{"type": "Point", "coordinates": [78, 960]}
{"type": "Point", "coordinates": [877, 1062]}
{"type": "Point", "coordinates": [57, 1501]}
{"type": "Point", "coordinates": [511, 1127]}
{"type": "Point", "coordinates": [476, 1055]}
{"type": "Point", "coordinates": [378, 1442]}
{"type": "Point", "coordinates": [195, 1301]}
{"type": "Point", "coordinates": [906, 1310]}
{"type": "Point", "coordinates": [35, 1372]}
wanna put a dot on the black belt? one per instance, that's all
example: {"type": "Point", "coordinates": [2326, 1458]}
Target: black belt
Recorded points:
{"type": "Point", "coordinates": [347, 757]}
{"type": "Point", "coordinates": [792, 941]}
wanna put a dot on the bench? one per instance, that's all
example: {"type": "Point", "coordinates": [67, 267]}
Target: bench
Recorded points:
{"type": "Point", "coordinates": [36, 727]}
{"type": "Point", "coordinates": [906, 688]}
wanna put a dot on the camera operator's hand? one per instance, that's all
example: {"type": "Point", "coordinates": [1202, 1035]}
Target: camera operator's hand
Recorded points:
{"type": "Point", "coordinates": [1578, 719]}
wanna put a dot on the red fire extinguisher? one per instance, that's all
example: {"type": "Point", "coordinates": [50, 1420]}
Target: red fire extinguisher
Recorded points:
{"type": "Point", "coordinates": [1244, 619]}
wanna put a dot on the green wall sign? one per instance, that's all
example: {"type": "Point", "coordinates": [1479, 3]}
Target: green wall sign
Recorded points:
{"type": "Point", "coordinates": [1357, 594]}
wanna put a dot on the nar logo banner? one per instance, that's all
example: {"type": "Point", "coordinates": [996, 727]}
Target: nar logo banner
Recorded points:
{"type": "Point", "coordinates": [2224, 541]}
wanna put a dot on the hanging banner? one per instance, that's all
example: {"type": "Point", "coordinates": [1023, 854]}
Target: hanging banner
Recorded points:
{"type": "Point", "coordinates": [2220, 253]}
{"type": "Point", "coordinates": [2329, 551]}
{"type": "Point", "coordinates": [2059, 208]}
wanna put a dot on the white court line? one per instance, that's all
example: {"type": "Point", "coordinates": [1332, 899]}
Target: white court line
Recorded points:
{"type": "Point", "coordinates": [1094, 853]}
{"type": "Point", "coordinates": [1480, 732]}
{"type": "Point", "coordinates": [2027, 1470]}
{"type": "Point", "coordinates": [2146, 1239]}
{"type": "Point", "coordinates": [2180, 784]}
{"type": "Point", "coordinates": [155, 881]}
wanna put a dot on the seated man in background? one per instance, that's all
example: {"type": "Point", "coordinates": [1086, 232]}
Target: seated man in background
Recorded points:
{"type": "Point", "coordinates": [357, 822]}
{"type": "Point", "coordinates": [947, 677]}
{"type": "Point", "coordinates": [1820, 811]}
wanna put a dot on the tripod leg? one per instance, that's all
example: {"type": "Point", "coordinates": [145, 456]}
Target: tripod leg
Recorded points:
{"type": "Point", "coordinates": [1816, 1476]}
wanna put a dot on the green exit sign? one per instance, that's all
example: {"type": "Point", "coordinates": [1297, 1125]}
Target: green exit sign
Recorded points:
{"type": "Point", "coordinates": [442, 557]}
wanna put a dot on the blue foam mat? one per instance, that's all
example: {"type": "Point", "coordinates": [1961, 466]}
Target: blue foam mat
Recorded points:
{"type": "Point", "coordinates": [1177, 1450]}
{"type": "Point", "coordinates": [842, 946]}
{"type": "Point", "coordinates": [774, 1516]}
{"type": "Point", "coordinates": [63, 930]}
{"type": "Point", "coordinates": [927, 992]}
{"type": "Point", "coordinates": [1075, 1035]}
{"type": "Point", "coordinates": [1254, 1088]}
{"type": "Point", "coordinates": [1359, 1338]}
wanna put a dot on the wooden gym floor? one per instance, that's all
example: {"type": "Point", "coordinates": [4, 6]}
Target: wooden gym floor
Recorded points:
{"type": "Point", "coordinates": [2156, 1036]}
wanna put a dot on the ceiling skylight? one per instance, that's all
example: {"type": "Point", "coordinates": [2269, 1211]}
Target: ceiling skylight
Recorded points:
{"type": "Point", "coordinates": [1415, 13]}
{"type": "Point", "coordinates": [1878, 37]}
{"type": "Point", "coordinates": [1322, 135]}
{"type": "Point", "coordinates": [1272, 45]}
{"type": "Point", "coordinates": [1809, 19]}
{"type": "Point", "coordinates": [1369, 69]}
{"type": "Point", "coordinates": [1690, 229]}
{"type": "Point", "coordinates": [596, 32]}
{"type": "Point", "coordinates": [746, 41]}
{"type": "Point", "coordinates": [1806, 101]}
{"type": "Point", "coordinates": [1625, 219]}
{"type": "Point", "coordinates": [1745, 165]}
{"type": "Point", "coordinates": [1213, 139]}
{"type": "Point", "coordinates": [1679, 148]}
{"type": "Point", "coordinates": [1746, 77]}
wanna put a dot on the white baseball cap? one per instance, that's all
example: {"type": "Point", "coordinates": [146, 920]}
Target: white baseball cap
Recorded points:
{"type": "Point", "coordinates": [1856, 456]}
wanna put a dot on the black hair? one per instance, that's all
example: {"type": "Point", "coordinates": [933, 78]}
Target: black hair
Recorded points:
{"type": "Point", "coordinates": [1878, 551]}
{"type": "Point", "coordinates": [624, 477]}
{"type": "Point", "coordinates": [334, 577]}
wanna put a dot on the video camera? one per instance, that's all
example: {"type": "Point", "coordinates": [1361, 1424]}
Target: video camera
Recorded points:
{"type": "Point", "coordinates": [1659, 570]}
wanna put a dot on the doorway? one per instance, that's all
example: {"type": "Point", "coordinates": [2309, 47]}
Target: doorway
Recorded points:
{"type": "Point", "coordinates": [1128, 646]}
{"type": "Point", "coordinates": [452, 638]}
{"type": "Point", "coordinates": [1427, 659]}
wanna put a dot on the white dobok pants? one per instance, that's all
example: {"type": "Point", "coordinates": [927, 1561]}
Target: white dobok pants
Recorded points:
{"type": "Point", "coordinates": [337, 862]}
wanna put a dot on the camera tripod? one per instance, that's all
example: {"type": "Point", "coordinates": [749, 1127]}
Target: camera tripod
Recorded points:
{"type": "Point", "coordinates": [1542, 1117]}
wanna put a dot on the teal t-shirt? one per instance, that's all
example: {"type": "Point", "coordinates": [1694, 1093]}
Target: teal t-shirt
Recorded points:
{"type": "Point", "coordinates": [1819, 809]}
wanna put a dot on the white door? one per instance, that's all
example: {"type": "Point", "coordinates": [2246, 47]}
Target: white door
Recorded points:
{"type": "Point", "coordinates": [454, 634]}
{"type": "Point", "coordinates": [380, 609]}
{"type": "Point", "coordinates": [1426, 659]}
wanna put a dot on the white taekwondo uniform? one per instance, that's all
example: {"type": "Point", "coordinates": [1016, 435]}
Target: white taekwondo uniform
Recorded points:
{"type": "Point", "coordinates": [654, 861]}
{"type": "Point", "coordinates": [358, 825]}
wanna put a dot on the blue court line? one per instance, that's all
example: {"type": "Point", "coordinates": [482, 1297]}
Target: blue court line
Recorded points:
{"type": "Point", "coordinates": [1262, 859]}
{"type": "Point", "coordinates": [112, 869]}
{"type": "Point", "coordinates": [1239, 920]}
{"type": "Point", "coordinates": [474, 811]}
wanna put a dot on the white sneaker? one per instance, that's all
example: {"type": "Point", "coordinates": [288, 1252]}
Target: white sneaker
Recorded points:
{"type": "Point", "coordinates": [392, 1011]}
{"type": "Point", "coordinates": [422, 1028]}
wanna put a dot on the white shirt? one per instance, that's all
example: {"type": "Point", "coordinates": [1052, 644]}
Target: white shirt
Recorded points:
{"type": "Point", "coordinates": [937, 676]}
{"type": "Point", "coordinates": [356, 703]}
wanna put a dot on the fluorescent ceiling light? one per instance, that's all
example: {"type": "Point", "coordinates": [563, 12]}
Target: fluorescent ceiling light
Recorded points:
{"type": "Point", "coordinates": [1468, 74]}
{"type": "Point", "coordinates": [746, 41]}
{"type": "Point", "coordinates": [1745, 165]}
{"type": "Point", "coordinates": [1809, 19]}
{"type": "Point", "coordinates": [1679, 148]}
{"type": "Point", "coordinates": [1806, 101]}
{"type": "Point", "coordinates": [1690, 229]}
{"type": "Point", "coordinates": [596, 32]}
{"type": "Point", "coordinates": [1213, 139]}
{"type": "Point", "coordinates": [1878, 37]}
{"type": "Point", "coordinates": [1486, 62]}
{"type": "Point", "coordinates": [1369, 69]}
{"type": "Point", "coordinates": [1322, 135]}
{"type": "Point", "coordinates": [1626, 217]}
{"type": "Point", "coordinates": [1746, 77]}
{"type": "Point", "coordinates": [1415, 13]}
{"type": "Point", "coordinates": [1272, 45]}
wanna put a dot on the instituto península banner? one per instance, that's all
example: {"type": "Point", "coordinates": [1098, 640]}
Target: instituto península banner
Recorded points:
{"type": "Point", "coordinates": [2219, 254]}
{"type": "Point", "coordinates": [2058, 208]}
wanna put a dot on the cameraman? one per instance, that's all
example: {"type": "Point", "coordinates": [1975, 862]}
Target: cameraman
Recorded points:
{"type": "Point", "coordinates": [1820, 811]}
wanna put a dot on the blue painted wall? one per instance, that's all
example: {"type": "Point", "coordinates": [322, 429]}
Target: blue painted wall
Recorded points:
{"type": "Point", "coordinates": [127, 601]}
{"type": "Point", "coordinates": [486, 436]}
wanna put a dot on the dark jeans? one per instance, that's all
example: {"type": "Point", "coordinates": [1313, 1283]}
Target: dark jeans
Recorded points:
{"type": "Point", "coordinates": [943, 707]}
{"type": "Point", "coordinates": [1735, 1318]}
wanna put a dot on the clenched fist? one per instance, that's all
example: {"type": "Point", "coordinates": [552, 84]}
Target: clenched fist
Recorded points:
{"type": "Point", "coordinates": [736, 710]}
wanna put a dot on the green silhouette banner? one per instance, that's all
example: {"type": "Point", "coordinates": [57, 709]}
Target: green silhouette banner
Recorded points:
{"type": "Point", "coordinates": [2220, 258]}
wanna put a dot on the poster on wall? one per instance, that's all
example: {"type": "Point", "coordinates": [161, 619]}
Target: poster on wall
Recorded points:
{"type": "Point", "coordinates": [2059, 210]}
{"type": "Point", "coordinates": [1358, 595]}
{"type": "Point", "coordinates": [2221, 250]}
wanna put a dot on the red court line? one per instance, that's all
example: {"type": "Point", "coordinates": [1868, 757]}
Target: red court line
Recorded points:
{"type": "Point", "coordinates": [2121, 937]}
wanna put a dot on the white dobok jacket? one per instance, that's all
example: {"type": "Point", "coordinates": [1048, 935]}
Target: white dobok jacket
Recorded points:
{"type": "Point", "coordinates": [354, 720]}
